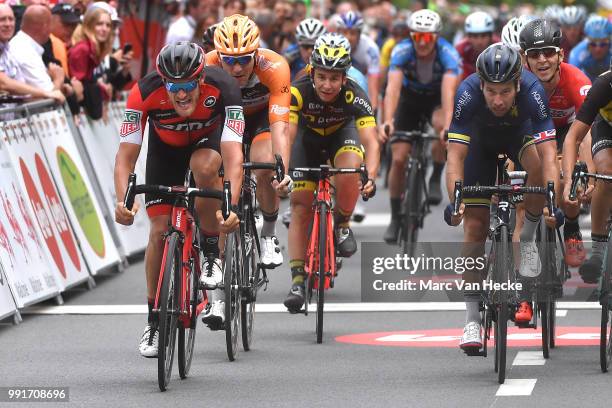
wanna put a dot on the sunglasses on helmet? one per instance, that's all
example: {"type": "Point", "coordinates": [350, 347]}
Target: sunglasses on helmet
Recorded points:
{"type": "Point", "coordinates": [599, 44]}
{"type": "Point", "coordinates": [174, 87]}
{"type": "Point", "coordinates": [547, 52]}
{"type": "Point", "coordinates": [240, 60]}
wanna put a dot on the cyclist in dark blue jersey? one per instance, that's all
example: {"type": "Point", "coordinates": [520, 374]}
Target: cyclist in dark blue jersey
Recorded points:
{"type": "Point", "coordinates": [499, 109]}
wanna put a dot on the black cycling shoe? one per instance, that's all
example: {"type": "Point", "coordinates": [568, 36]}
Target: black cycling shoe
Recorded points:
{"type": "Point", "coordinates": [435, 191]}
{"type": "Point", "coordinates": [295, 299]}
{"type": "Point", "coordinates": [590, 270]}
{"type": "Point", "coordinates": [392, 232]}
{"type": "Point", "coordinates": [345, 242]}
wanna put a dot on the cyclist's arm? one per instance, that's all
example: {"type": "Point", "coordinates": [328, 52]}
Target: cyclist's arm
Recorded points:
{"type": "Point", "coordinates": [280, 100]}
{"type": "Point", "coordinates": [392, 95]}
{"type": "Point", "coordinates": [455, 159]}
{"type": "Point", "coordinates": [369, 140]}
{"type": "Point", "coordinates": [574, 136]}
{"type": "Point", "coordinates": [449, 86]}
{"type": "Point", "coordinates": [373, 89]}
{"type": "Point", "coordinates": [125, 161]}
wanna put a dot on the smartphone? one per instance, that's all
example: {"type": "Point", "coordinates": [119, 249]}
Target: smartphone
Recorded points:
{"type": "Point", "coordinates": [127, 48]}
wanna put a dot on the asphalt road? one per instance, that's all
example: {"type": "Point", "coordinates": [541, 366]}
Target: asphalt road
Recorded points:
{"type": "Point", "coordinates": [402, 358]}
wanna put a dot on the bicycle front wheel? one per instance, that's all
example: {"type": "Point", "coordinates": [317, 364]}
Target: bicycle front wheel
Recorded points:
{"type": "Point", "coordinates": [250, 279]}
{"type": "Point", "coordinates": [231, 273]}
{"type": "Point", "coordinates": [412, 207]}
{"type": "Point", "coordinates": [168, 304]}
{"type": "Point", "coordinates": [322, 270]}
{"type": "Point", "coordinates": [545, 310]}
{"type": "Point", "coordinates": [502, 264]}
{"type": "Point", "coordinates": [186, 335]}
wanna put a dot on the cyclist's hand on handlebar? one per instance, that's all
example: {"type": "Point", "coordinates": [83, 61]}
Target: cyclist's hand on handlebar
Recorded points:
{"type": "Point", "coordinates": [556, 220]}
{"type": "Point", "coordinates": [284, 187]}
{"type": "Point", "coordinates": [369, 189]}
{"type": "Point", "coordinates": [444, 137]}
{"type": "Point", "coordinates": [124, 216]}
{"type": "Point", "coordinates": [385, 131]}
{"type": "Point", "coordinates": [586, 195]}
{"type": "Point", "coordinates": [229, 225]}
{"type": "Point", "coordinates": [451, 219]}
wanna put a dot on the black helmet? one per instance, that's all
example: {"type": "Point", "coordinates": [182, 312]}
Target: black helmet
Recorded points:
{"type": "Point", "coordinates": [540, 33]}
{"type": "Point", "coordinates": [181, 60]}
{"type": "Point", "coordinates": [499, 63]}
{"type": "Point", "coordinates": [209, 35]}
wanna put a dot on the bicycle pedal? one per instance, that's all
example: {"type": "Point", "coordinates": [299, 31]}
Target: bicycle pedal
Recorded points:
{"type": "Point", "coordinates": [527, 325]}
{"type": "Point", "coordinates": [473, 352]}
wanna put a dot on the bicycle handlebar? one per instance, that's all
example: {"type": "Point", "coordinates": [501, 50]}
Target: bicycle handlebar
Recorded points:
{"type": "Point", "coordinates": [581, 173]}
{"type": "Point", "coordinates": [133, 189]}
{"type": "Point", "coordinates": [325, 171]}
{"type": "Point", "coordinates": [416, 134]}
{"type": "Point", "coordinates": [277, 166]}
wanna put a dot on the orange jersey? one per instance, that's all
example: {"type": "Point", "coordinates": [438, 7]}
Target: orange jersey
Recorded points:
{"type": "Point", "coordinates": [269, 86]}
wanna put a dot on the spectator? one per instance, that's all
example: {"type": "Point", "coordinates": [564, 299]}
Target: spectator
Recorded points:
{"type": "Point", "coordinates": [231, 7]}
{"type": "Point", "coordinates": [64, 21]}
{"type": "Point", "coordinates": [265, 21]}
{"type": "Point", "coordinates": [79, 5]}
{"type": "Point", "coordinates": [184, 28]}
{"type": "Point", "coordinates": [92, 43]}
{"type": "Point", "coordinates": [18, 10]}
{"type": "Point", "coordinates": [27, 46]}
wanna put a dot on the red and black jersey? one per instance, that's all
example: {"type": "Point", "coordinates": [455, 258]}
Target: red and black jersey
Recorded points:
{"type": "Point", "coordinates": [219, 104]}
{"type": "Point", "coordinates": [569, 95]}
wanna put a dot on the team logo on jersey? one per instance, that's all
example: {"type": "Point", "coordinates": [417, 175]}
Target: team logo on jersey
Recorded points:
{"type": "Point", "coordinates": [549, 134]}
{"type": "Point", "coordinates": [234, 119]}
{"type": "Point", "coordinates": [349, 96]}
{"type": "Point", "coordinates": [584, 90]}
{"type": "Point", "coordinates": [131, 122]}
{"type": "Point", "coordinates": [210, 101]}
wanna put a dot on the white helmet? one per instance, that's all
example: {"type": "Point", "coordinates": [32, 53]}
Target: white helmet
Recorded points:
{"type": "Point", "coordinates": [573, 15]}
{"type": "Point", "coordinates": [425, 21]}
{"type": "Point", "coordinates": [309, 30]}
{"type": "Point", "coordinates": [553, 13]}
{"type": "Point", "coordinates": [512, 30]}
{"type": "Point", "coordinates": [479, 22]}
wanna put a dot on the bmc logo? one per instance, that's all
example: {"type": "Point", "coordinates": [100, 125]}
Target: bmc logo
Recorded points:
{"type": "Point", "coordinates": [584, 90]}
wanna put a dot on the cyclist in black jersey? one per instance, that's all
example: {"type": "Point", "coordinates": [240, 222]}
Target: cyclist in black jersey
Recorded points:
{"type": "Point", "coordinates": [596, 115]}
{"type": "Point", "coordinates": [331, 120]}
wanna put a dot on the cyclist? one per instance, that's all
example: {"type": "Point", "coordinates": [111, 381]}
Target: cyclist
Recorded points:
{"type": "Point", "coordinates": [263, 76]}
{"type": "Point", "coordinates": [499, 109]}
{"type": "Point", "coordinates": [331, 119]}
{"type": "Point", "coordinates": [298, 54]}
{"type": "Point", "coordinates": [208, 38]}
{"type": "Point", "coordinates": [399, 31]}
{"type": "Point", "coordinates": [478, 28]}
{"type": "Point", "coordinates": [365, 54]}
{"type": "Point", "coordinates": [195, 120]}
{"type": "Point", "coordinates": [596, 115]}
{"type": "Point", "coordinates": [423, 76]}
{"type": "Point", "coordinates": [512, 30]}
{"type": "Point", "coordinates": [572, 20]}
{"type": "Point", "coordinates": [593, 54]}
{"type": "Point", "coordinates": [566, 87]}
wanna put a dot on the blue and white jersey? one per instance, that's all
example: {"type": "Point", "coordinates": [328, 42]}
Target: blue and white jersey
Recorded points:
{"type": "Point", "coordinates": [581, 57]}
{"type": "Point", "coordinates": [294, 59]}
{"type": "Point", "coordinates": [358, 77]}
{"type": "Point", "coordinates": [471, 112]}
{"type": "Point", "coordinates": [404, 58]}
{"type": "Point", "coordinates": [366, 58]}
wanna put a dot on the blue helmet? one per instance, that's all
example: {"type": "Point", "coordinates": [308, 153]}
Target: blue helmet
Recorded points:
{"type": "Point", "coordinates": [598, 27]}
{"type": "Point", "coordinates": [349, 20]}
{"type": "Point", "coordinates": [499, 63]}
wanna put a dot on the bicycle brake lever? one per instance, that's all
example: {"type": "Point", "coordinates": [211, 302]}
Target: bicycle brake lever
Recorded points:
{"type": "Point", "coordinates": [227, 200]}
{"type": "Point", "coordinates": [128, 200]}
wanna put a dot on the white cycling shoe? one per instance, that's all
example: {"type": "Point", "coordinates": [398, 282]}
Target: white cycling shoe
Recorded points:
{"type": "Point", "coordinates": [149, 342]}
{"type": "Point", "coordinates": [271, 255]}
{"type": "Point", "coordinates": [214, 315]}
{"type": "Point", "coordinates": [212, 273]}
{"type": "Point", "coordinates": [472, 336]}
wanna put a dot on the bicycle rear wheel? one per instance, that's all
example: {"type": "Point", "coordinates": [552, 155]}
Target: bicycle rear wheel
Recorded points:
{"type": "Point", "coordinates": [231, 273]}
{"type": "Point", "coordinates": [545, 318]}
{"type": "Point", "coordinates": [322, 270]}
{"type": "Point", "coordinates": [250, 279]}
{"type": "Point", "coordinates": [502, 263]}
{"type": "Point", "coordinates": [605, 340]}
{"type": "Point", "coordinates": [412, 207]}
{"type": "Point", "coordinates": [186, 335]}
{"type": "Point", "coordinates": [168, 304]}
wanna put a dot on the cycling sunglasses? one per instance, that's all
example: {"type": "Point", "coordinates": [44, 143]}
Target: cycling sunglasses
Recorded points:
{"type": "Point", "coordinates": [174, 87]}
{"type": "Point", "coordinates": [240, 60]}
{"type": "Point", "coordinates": [307, 46]}
{"type": "Point", "coordinates": [599, 44]}
{"type": "Point", "coordinates": [547, 52]}
{"type": "Point", "coordinates": [423, 37]}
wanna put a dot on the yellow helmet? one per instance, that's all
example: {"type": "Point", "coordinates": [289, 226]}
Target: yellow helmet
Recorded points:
{"type": "Point", "coordinates": [236, 35]}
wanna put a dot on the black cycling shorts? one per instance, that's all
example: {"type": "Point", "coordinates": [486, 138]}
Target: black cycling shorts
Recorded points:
{"type": "Point", "coordinates": [167, 165]}
{"type": "Point", "coordinates": [255, 125]}
{"type": "Point", "coordinates": [601, 135]}
{"type": "Point", "coordinates": [411, 109]}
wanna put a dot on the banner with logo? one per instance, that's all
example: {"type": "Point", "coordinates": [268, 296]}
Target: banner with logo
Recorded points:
{"type": "Point", "coordinates": [75, 189]}
{"type": "Point", "coordinates": [26, 265]}
{"type": "Point", "coordinates": [101, 143]}
{"type": "Point", "coordinates": [42, 197]}
{"type": "Point", "coordinates": [7, 304]}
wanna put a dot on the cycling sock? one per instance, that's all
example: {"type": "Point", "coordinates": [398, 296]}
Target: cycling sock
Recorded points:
{"type": "Point", "coordinates": [599, 245]}
{"type": "Point", "coordinates": [396, 204]}
{"type": "Point", "coordinates": [437, 171]}
{"type": "Point", "coordinates": [269, 224]}
{"type": "Point", "coordinates": [297, 271]}
{"type": "Point", "coordinates": [210, 242]}
{"type": "Point", "coordinates": [472, 308]}
{"type": "Point", "coordinates": [571, 227]}
{"type": "Point", "coordinates": [341, 219]}
{"type": "Point", "coordinates": [529, 227]}
{"type": "Point", "coordinates": [153, 317]}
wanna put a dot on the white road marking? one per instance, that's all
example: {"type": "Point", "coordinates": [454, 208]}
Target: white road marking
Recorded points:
{"type": "Point", "coordinates": [529, 358]}
{"type": "Point", "coordinates": [561, 313]}
{"type": "Point", "coordinates": [515, 387]}
{"type": "Point", "coordinates": [279, 308]}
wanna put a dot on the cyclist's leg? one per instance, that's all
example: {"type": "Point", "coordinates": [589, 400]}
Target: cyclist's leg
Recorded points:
{"type": "Point", "coordinates": [600, 203]}
{"type": "Point", "coordinates": [347, 152]}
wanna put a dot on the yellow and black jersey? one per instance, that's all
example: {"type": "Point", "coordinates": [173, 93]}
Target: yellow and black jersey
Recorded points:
{"type": "Point", "coordinates": [598, 100]}
{"type": "Point", "coordinates": [326, 118]}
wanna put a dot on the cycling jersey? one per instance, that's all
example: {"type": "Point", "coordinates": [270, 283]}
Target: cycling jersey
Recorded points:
{"type": "Point", "coordinates": [218, 105]}
{"type": "Point", "coordinates": [385, 52]}
{"type": "Point", "coordinates": [530, 106]}
{"type": "Point", "coordinates": [326, 118]}
{"type": "Point", "coordinates": [446, 60]}
{"type": "Point", "coordinates": [581, 57]}
{"type": "Point", "coordinates": [365, 57]}
{"type": "Point", "coordinates": [269, 85]}
{"type": "Point", "coordinates": [294, 59]}
{"type": "Point", "coordinates": [598, 100]}
{"type": "Point", "coordinates": [468, 55]}
{"type": "Point", "coordinates": [569, 94]}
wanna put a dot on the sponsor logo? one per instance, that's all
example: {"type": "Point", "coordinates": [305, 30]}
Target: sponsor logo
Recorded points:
{"type": "Point", "coordinates": [541, 106]}
{"type": "Point", "coordinates": [349, 96]}
{"type": "Point", "coordinates": [549, 134]}
{"type": "Point", "coordinates": [186, 126]}
{"type": "Point", "coordinates": [210, 101]}
{"type": "Point", "coordinates": [131, 122]}
{"type": "Point", "coordinates": [584, 90]}
{"type": "Point", "coordinates": [234, 119]}
{"type": "Point", "coordinates": [279, 110]}
{"type": "Point", "coordinates": [312, 106]}
{"type": "Point", "coordinates": [296, 174]}
{"type": "Point", "coordinates": [285, 89]}
{"type": "Point", "coordinates": [364, 103]}
{"type": "Point", "coordinates": [462, 101]}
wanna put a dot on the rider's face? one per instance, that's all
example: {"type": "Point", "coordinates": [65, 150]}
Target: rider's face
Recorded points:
{"type": "Point", "coordinates": [241, 67]}
{"type": "Point", "coordinates": [184, 102]}
{"type": "Point", "coordinates": [499, 97]}
{"type": "Point", "coordinates": [544, 62]}
{"type": "Point", "coordinates": [328, 84]}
